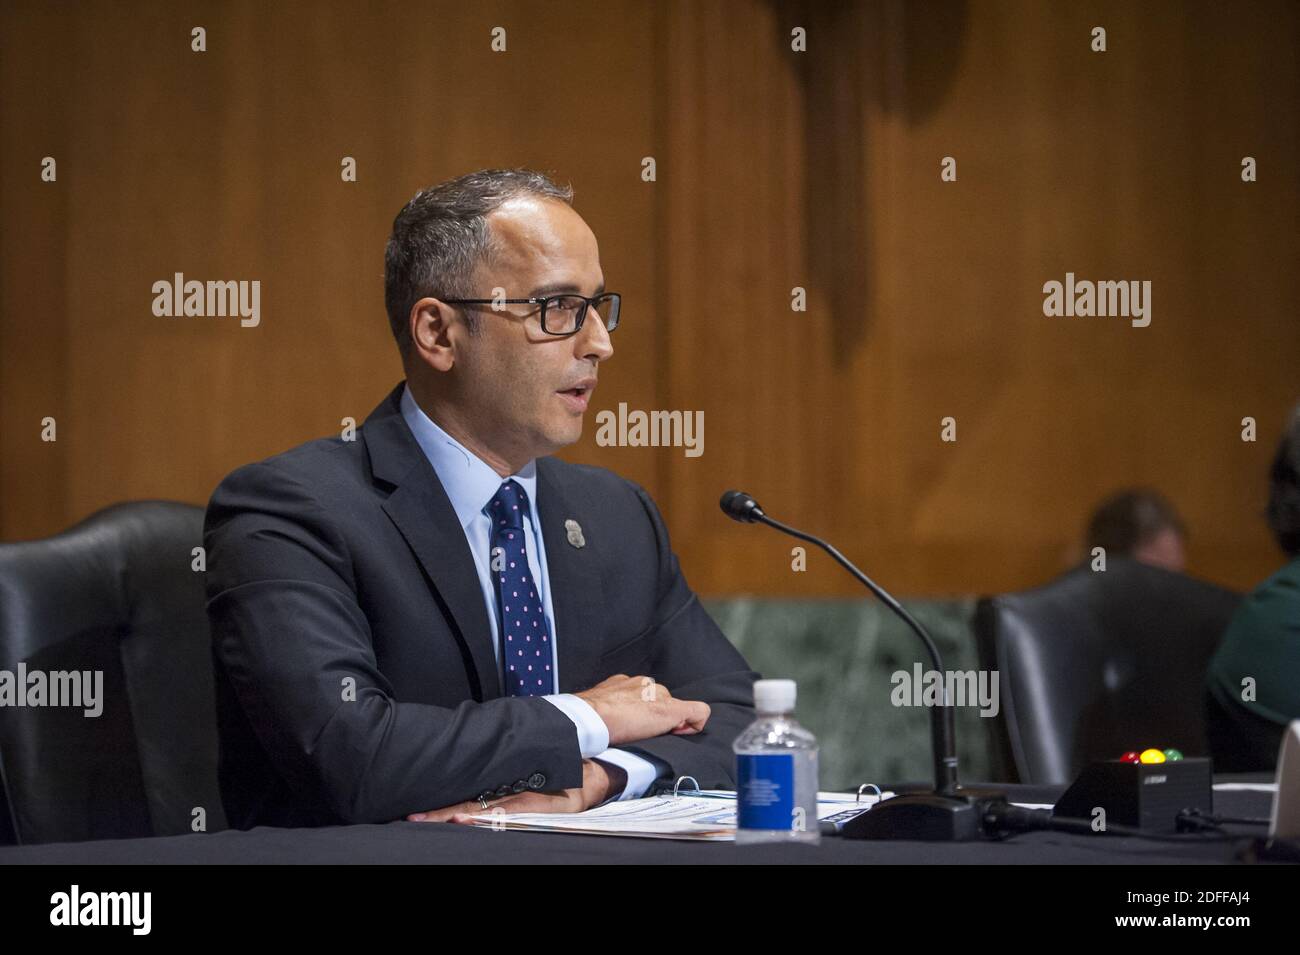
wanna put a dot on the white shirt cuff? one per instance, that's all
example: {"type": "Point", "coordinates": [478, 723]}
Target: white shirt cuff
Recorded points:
{"type": "Point", "coordinates": [593, 734]}
{"type": "Point", "coordinates": [641, 773]}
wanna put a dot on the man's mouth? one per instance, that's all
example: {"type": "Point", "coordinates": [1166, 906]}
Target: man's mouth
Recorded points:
{"type": "Point", "coordinates": [577, 395]}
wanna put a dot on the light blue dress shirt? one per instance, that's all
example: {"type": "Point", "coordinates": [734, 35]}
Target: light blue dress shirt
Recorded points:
{"type": "Point", "coordinates": [470, 483]}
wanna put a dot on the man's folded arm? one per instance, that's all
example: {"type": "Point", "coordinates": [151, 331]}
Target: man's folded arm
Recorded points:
{"type": "Point", "coordinates": [593, 741]}
{"type": "Point", "coordinates": [707, 757]}
{"type": "Point", "coordinates": [297, 648]}
{"type": "Point", "coordinates": [686, 652]}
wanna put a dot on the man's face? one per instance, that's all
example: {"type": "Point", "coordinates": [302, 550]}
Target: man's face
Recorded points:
{"type": "Point", "coordinates": [516, 383]}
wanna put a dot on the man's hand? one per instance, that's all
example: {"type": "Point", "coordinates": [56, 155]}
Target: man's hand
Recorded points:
{"type": "Point", "coordinates": [599, 781]}
{"type": "Point", "coordinates": [636, 708]}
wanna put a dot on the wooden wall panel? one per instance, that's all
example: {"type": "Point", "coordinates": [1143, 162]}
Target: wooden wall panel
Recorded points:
{"type": "Point", "coordinates": [1116, 165]}
{"type": "Point", "coordinates": [775, 169]}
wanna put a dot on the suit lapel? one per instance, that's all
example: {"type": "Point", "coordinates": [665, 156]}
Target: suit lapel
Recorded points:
{"type": "Point", "coordinates": [422, 512]}
{"type": "Point", "coordinates": [574, 574]}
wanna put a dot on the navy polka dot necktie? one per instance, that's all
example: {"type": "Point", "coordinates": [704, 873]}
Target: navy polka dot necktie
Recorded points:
{"type": "Point", "coordinates": [525, 644]}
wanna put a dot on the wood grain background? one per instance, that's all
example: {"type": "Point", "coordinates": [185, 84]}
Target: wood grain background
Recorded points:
{"type": "Point", "coordinates": [775, 169]}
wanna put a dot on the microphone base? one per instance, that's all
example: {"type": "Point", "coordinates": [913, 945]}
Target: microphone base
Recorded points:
{"type": "Point", "coordinates": [925, 817]}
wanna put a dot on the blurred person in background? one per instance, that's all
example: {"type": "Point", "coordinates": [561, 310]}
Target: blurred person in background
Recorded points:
{"type": "Point", "coordinates": [1139, 523]}
{"type": "Point", "coordinates": [1253, 683]}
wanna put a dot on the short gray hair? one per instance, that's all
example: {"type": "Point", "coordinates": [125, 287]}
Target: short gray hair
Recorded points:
{"type": "Point", "coordinates": [442, 234]}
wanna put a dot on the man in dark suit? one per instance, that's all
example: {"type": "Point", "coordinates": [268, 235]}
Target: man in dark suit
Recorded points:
{"type": "Point", "coordinates": [435, 617]}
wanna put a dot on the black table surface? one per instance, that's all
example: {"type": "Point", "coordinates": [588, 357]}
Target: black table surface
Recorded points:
{"type": "Point", "coordinates": [444, 843]}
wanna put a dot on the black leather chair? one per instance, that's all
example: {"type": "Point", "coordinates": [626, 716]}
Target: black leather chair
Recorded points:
{"type": "Point", "coordinates": [115, 594]}
{"type": "Point", "coordinates": [1094, 664]}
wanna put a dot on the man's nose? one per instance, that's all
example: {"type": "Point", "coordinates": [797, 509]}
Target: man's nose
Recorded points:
{"type": "Point", "coordinates": [593, 339]}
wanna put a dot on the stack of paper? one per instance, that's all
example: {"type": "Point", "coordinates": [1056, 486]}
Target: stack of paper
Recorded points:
{"type": "Point", "coordinates": [709, 815]}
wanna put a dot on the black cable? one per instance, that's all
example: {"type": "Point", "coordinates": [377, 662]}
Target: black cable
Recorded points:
{"type": "Point", "coordinates": [1189, 814]}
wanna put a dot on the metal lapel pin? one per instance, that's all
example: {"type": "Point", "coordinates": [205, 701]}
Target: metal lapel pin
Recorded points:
{"type": "Point", "coordinates": [574, 532]}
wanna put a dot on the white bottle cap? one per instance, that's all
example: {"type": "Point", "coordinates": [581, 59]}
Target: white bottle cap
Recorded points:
{"type": "Point", "coordinates": [774, 696]}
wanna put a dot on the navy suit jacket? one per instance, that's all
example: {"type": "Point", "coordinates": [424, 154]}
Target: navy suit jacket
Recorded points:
{"type": "Point", "coordinates": [356, 679]}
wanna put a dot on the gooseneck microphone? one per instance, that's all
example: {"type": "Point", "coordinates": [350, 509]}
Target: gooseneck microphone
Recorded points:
{"type": "Point", "coordinates": [741, 507]}
{"type": "Point", "coordinates": [950, 812]}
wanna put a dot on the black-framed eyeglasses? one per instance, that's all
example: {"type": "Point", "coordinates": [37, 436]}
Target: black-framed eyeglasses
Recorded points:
{"type": "Point", "coordinates": [562, 314]}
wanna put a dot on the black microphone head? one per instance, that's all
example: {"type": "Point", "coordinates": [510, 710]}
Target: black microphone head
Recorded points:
{"type": "Point", "coordinates": [739, 506]}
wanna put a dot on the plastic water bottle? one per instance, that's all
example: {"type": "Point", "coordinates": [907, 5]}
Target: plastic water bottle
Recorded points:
{"type": "Point", "coordinates": [776, 771]}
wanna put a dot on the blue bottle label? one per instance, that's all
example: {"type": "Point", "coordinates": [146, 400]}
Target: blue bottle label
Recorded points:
{"type": "Point", "coordinates": [765, 791]}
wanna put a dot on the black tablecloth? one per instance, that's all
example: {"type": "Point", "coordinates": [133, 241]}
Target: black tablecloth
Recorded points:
{"type": "Point", "coordinates": [424, 843]}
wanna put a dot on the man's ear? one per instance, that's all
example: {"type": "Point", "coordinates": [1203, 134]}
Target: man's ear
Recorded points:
{"type": "Point", "coordinates": [431, 333]}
